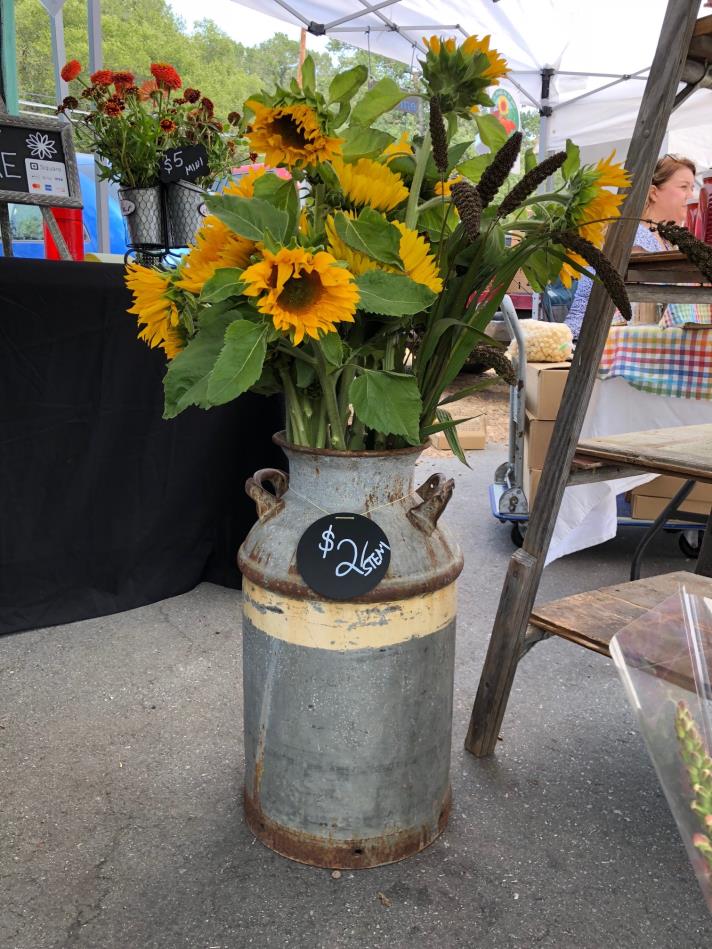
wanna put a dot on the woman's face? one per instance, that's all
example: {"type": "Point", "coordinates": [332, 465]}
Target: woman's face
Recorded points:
{"type": "Point", "coordinates": [669, 201]}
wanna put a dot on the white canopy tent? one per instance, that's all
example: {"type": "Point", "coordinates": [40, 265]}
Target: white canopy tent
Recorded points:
{"type": "Point", "coordinates": [592, 56]}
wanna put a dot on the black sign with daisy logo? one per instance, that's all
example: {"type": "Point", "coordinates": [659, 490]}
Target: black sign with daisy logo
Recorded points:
{"type": "Point", "coordinates": [37, 162]}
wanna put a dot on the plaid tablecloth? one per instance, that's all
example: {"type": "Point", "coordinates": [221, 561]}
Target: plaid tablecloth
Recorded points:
{"type": "Point", "coordinates": [668, 362]}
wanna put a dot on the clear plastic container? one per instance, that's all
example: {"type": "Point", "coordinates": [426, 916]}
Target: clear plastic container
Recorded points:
{"type": "Point", "coordinates": [665, 659]}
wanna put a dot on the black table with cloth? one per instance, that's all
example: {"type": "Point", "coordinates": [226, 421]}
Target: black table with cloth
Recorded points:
{"type": "Point", "coordinates": [104, 505]}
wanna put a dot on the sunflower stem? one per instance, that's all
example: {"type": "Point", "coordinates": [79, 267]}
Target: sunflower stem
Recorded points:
{"type": "Point", "coordinates": [434, 202]}
{"type": "Point", "coordinates": [421, 162]}
{"type": "Point", "coordinates": [328, 388]}
{"type": "Point", "coordinates": [298, 427]}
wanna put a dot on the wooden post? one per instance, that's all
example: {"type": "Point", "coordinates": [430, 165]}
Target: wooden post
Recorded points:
{"type": "Point", "coordinates": [526, 565]}
{"type": "Point", "coordinates": [302, 55]}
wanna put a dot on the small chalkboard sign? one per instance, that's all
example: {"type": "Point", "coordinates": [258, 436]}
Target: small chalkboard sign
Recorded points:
{"type": "Point", "coordinates": [187, 163]}
{"type": "Point", "coordinates": [341, 556]}
{"type": "Point", "coordinates": [37, 162]}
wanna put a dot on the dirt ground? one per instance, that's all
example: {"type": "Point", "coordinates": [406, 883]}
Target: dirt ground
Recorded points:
{"type": "Point", "coordinates": [492, 402]}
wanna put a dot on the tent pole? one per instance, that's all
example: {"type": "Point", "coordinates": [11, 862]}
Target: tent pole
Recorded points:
{"type": "Point", "coordinates": [8, 63]}
{"type": "Point", "coordinates": [96, 61]}
{"type": "Point", "coordinates": [59, 54]}
{"type": "Point", "coordinates": [545, 112]}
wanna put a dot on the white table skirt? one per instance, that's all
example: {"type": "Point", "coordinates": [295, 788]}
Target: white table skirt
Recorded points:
{"type": "Point", "coordinates": [588, 512]}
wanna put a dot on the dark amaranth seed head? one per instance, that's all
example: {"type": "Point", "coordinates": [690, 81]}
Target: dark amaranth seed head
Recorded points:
{"type": "Point", "coordinates": [530, 182]}
{"type": "Point", "coordinates": [605, 271]}
{"type": "Point", "coordinates": [496, 173]}
{"type": "Point", "coordinates": [697, 252]}
{"type": "Point", "coordinates": [438, 136]}
{"type": "Point", "coordinates": [469, 206]}
{"type": "Point", "coordinates": [494, 358]}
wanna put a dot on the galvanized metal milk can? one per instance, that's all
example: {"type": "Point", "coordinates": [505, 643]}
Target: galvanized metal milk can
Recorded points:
{"type": "Point", "coordinates": [348, 705]}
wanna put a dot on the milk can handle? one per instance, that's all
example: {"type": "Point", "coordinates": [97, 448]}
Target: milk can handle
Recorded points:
{"type": "Point", "coordinates": [267, 504]}
{"type": "Point", "coordinates": [435, 492]}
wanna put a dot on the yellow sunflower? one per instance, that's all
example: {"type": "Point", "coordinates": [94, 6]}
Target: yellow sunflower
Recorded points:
{"type": "Point", "coordinates": [290, 135]}
{"type": "Point", "coordinates": [305, 293]}
{"type": "Point", "coordinates": [497, 64]}
{"type": "Point", "coordinates": [156, 313]}
{"type": "Point", "coordinates": [418, 264]}
{"type": "Point", "coordinates": [414, 251]}
{"type": "Point", "coordinates": [357, 263]}
{"type": "Point", "coordinates": [445, 187]}
{"type": "Point", "coordinates": [399, 149]}
{"type": "Point", "coordinates": [434, 44]}
{"type": "Point", "coordinates": [595, 204]}
{"type": "Point", "coordinates": [244, 187]}
{"type": "Point", "coordinates": [369, 182]}
{"type": "Point", "coordinates": [215, 244]}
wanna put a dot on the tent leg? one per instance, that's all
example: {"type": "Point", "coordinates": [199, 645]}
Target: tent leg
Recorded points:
{"type": "Point", "coordinates": [96, 61]}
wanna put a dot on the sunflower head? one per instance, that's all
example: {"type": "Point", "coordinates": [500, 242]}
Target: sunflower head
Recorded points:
{"type": "Point", "coordinates": [290, 135]}
{"type": "Point", "coordinates": [367, 182]}
{"type": "Point", "coordinates": [305, 292]}
{"type": "Point", "coordinates": [413, 250]}
{"type": "Point", "coordinates": [459, 75]}
{"type": "Point", "coordinates": [400, 149]}
{"type": "Point", "coordinates": [593, 204]}
{"type": "Point", "coordinates": [156, 312]}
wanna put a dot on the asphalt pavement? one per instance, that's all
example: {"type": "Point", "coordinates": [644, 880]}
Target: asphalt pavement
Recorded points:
{"type": "Point", "coordinates": [121, 767]}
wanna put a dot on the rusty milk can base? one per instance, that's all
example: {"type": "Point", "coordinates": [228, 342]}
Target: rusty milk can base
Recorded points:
{"type": "Point", "coordinates": [358, 854]}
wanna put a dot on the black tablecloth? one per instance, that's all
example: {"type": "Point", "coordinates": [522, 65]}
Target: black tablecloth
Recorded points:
{"type": "Point", "coordinates": [103, 505]}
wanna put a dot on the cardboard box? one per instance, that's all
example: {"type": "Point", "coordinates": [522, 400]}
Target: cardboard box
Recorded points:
{"type": "Point", "coordinates": [544, 387]}
{"type": "Point", "coordinates": [537, 437]}
{"type": "Point", "coordinates": [532, 476]}
{"type": "Point", "coordinates": [667, 487]}
{"type": "Point", "coordinates": [647, 508]}
{"type": "Point", "coordinates": [472, 434]}
{"type": "Point", "coordinates": [520, 284]}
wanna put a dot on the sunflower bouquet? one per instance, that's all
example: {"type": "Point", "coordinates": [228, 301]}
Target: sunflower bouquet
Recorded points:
{"type": "Point", "coordinates": [354, 273]}
{"type": "Point", "coordinates": [131, 123]}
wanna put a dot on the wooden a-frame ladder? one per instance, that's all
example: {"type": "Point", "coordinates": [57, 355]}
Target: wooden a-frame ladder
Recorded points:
{"type": "Point", "coordinates": [526, 565]}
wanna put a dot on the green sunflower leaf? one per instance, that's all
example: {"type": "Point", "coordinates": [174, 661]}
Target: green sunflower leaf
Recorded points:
{"type": "Point", "coordinates": [380, 98]}
{"type": "Point", "coordinates": [346, 84]}
{"type": "Point", "coordinates": [390, 294]}
{"type": "Point", "coordinates": [281, 194]}
{"type": "Point", "coordinates": [474, 168]}
{"type": "Point", "coordinates": [364, 143]}
{"type": "Point", "coordinates": [573, 160]}
{"type": "Point", "coordinates": [186, 380]}
{"type": "Point", "coordinates": [224, 283]}
{"type": "Point", "coordinates": [249, 217]}
{"type": "Point", "coordinates": [492, 132]}
{"type": "Point", "coordinates": [308, 74]}
{"type": "Point", "coordinates": [371, 234]}
{"type": "Point", "coordinates": [333, 349]}
{"type": "Point", "coordinates": [239, 364]}
{"type": "Point", "coordinates": [388, 402]}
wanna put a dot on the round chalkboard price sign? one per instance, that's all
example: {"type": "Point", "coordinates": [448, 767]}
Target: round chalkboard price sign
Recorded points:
{"type": "Point", "coordinates": [341, 556]}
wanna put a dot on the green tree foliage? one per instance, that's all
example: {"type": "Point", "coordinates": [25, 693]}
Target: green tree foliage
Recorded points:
{"type": "Point", "coordinates": [138, 32]}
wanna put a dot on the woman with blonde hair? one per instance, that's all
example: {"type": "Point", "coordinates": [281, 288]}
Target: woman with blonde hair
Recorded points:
{"type": "Point", "coordinates": [672, 186]}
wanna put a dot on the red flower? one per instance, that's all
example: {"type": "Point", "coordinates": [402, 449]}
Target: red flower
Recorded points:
{"type": "Point", "coordinates": [191, 95]}
{"type": "Point", "coordinates": [122, 80]}
{"type": "Point", "coordinates": [234, 118]}
{"type": "Point", "coordinates": [70, 102]}
{"type": "Point", "coordinates": [166, 76]}
{"type": "Point", "coordinates": [168, 126]}
{"type": "Point", "coordinates": [71, 70]}
{"type": "Point", "coordinates": [146, 89]}
{"type": "Point", "coordinates": [207, 105]}
{"type": "Point", "coordinates": [131, 91]}
{"type": "Point", "coordinates": [102, 77]}
{"type": "Point", "coordinates": [112, 109]}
